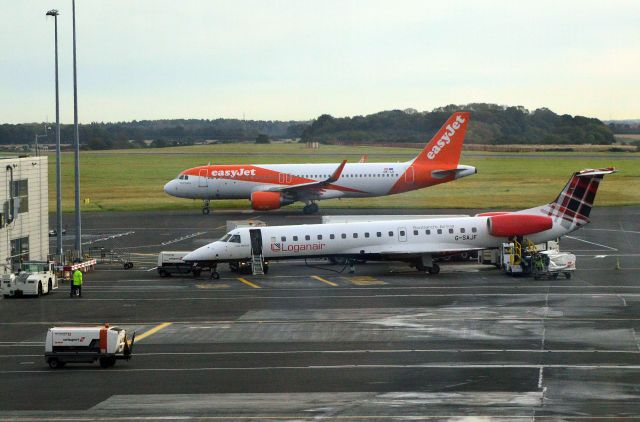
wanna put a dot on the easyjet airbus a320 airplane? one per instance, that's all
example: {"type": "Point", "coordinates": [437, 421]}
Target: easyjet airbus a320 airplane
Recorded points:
{"type": "Point", "coordinates": [413, 241]}
{"type": "Point", "coordinates": [272, 186]}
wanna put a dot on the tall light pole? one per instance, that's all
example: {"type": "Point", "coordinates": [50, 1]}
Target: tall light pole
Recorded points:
{"type": "Point", "coordinates": [59, 252]}
{"type": "Point", "coordinates": [78, 243]}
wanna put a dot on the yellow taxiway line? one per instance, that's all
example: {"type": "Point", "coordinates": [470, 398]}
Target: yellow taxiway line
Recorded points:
{"type": "Point", "coordinates": [153, 331]}
{"type": "Point", "coordinates": [324, 280]}
{"type": "Point", "coordinates": [248, 283]}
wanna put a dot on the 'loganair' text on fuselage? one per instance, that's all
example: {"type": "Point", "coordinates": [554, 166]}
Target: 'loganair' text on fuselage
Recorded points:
{"type": "Point", "coordinates": [410, 240]}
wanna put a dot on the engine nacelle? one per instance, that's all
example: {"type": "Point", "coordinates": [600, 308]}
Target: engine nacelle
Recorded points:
{"type": "Point", "coordinates": [508, 225]}
{"type": "Point", "coordinates": [263, 201]}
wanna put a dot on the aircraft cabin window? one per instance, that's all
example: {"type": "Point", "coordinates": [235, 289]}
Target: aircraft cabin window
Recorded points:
{"type": "Point", "coordinates": [295, 238]}
{"type": "Point", "coordinates": [307, 237]}
{"type": "Point", "coordinates": [343, 235]}
{"type": "Point", "coordinates": [390, 234]}
{"type": "Point", "coordinates": [379, 234]}
{"type": "Point", "coordinates": [332, 236]}
{"type": "Point", "coordinates": [366, 234]}
{"type": "Point", "coordinates": [427, 232]}
{"type": "Point", "coordinates": [415, 232]}
{"type": "Point", "coordinates": [355, 235]}
{"type": "Point", "coordinates": [462, 230]}
{"type": "Point", "coordinates": [439, 231]}
{"type": "Point", "coordinates": [451, 231]}
{"type": "Point", "coordinates": [319, 237]}
{"type": "Point", "coordinates": [235, 238]}
{"type": "Point", "coordinates": [283, 238]}
{"type": "Point", "coordinates": [402, 233]}
{"type": "Point", "coordinates": [473, 229]}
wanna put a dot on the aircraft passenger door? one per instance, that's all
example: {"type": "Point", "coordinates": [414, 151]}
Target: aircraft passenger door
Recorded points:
{"type": "Point", "coordinates": [281, 178]}
{"type": "Point", "coordinates": [202, 178]}
{"type": "Point", "coordinates": [289, 178]}
{"type": "Point", "coordinates": [409, 177]}
{"type": "Point", "coordinates": [256, 241]}
{"type": "Point", "coordinates": [402, 234]}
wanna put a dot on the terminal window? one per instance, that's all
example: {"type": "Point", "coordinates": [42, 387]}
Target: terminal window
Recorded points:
{"type": "Point", "coordinates": [19, 252]}
{"type": "Point", "coordinates": [20, 190]}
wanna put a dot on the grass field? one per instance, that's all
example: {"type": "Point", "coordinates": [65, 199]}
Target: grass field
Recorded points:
{"type": "Point", "coordinates": [132, 180]}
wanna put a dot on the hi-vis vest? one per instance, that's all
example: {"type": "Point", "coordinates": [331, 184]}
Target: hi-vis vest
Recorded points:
{"type": "Point", "coordinates": [77, 278]}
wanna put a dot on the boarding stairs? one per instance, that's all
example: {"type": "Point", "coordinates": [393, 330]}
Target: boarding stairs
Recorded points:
{"type": "Point", "coordinates": [257, 263]}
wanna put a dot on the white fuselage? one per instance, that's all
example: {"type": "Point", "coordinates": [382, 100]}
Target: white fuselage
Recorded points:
{"type": "Point", "coordinates": [392, 239]}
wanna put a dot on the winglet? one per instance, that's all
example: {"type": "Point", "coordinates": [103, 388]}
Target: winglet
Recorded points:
{"type": "Point", "coordinates": [336, 174]}
{"type": "Point", "coordinates": [446, 145]}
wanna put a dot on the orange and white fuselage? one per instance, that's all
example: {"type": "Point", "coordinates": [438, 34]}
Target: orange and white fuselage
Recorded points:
{"type": "Point", "coordinates": [274, 185]}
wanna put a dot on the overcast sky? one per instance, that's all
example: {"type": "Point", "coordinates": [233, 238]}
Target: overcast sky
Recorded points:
{"type": "Point", "coordinates": [295, 60]}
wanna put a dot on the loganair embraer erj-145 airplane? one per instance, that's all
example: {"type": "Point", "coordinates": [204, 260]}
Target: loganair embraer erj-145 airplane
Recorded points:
{"type": "Point", "coordinates": [413, 241]}
{"type": "Point", "coordinates": [272, 186]}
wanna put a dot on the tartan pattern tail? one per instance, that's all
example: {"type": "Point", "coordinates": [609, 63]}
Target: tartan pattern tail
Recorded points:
{"type": "Point", "coordinates": [574, 203]}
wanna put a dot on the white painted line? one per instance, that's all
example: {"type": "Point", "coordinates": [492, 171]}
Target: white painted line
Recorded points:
{"type": "Point", "coordinates": [592, 243]}
{"type": "Point", "coordinates": [364, 351]}
{"type": "Point", "coordinates": [333, 367]}
{"type": "Point", "coordinates": [600, 256]}
{"type": "Point", "coordinates": [315, 297]}
{"type": "Point", "coordinates": [151, 269]}
{"type": "Point", "coordinates": [611, 230]}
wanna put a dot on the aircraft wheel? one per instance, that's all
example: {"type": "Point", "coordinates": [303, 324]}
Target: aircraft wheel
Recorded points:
{"type": "Point", "coordinates": [215, 275]}
{"type": "Point", "coordinates": [205, 211]}
{"type": "Point", "coordinates": [314, 208]}
{"type": "Point", "coordinates": [567, 275]}
{"type": "Point", "coordinates": [435, 269]}
{"type": "Point", "coordinates": [54, 363]}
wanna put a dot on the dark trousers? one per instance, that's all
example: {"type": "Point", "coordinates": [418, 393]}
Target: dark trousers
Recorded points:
{"type": "Point", "coordinates": [76, 290]}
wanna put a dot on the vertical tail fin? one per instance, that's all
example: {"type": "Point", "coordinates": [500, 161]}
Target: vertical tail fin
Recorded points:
{"type": "Point", "coordinates": [445, 147]}
{"type": "Point", "coordinates": [573, 205]}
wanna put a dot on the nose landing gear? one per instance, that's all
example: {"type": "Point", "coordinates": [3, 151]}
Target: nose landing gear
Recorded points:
{"type": "Point", "coordinates": [205, 207]}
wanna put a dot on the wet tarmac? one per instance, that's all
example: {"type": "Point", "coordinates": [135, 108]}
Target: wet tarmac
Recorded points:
{"type": "Point", "coordinates": [309, 342]}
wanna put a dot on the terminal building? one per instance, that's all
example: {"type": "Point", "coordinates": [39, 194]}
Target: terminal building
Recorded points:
{"type": "Point", "coordinates": [24, 211]}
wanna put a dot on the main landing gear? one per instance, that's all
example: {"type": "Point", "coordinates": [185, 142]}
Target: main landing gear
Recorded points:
{"type": "Point", "coordinates": [205, 207]}
{"type": "Point", "coordinates": [426, 263]}
{"type": "Point", "coordinates": [311, 208]}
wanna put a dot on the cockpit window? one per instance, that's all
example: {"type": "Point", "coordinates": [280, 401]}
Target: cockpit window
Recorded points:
{"type": "Point", "coordinates": [226, 237]}
{"type": "Point", "coordinates": [235, 238]}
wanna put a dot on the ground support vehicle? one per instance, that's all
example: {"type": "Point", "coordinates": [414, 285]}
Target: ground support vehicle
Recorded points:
{"type": "Point", "coordinates": [104, 344]}
{"type": "Point", "coordinates": [170, 262]}
{"type": "Point", "coordinates": [550, 264]}
{"type": "Point", "coordinates": [33, 278]}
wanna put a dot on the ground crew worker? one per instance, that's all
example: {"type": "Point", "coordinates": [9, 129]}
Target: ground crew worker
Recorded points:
{"type": "Point", "coordinates": [77, 282]}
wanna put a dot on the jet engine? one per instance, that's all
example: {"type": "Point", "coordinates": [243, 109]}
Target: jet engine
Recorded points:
{"type": "Point", "coordinates": [507, 225]}
{"type": "Point", "coordinates": [263, 201]}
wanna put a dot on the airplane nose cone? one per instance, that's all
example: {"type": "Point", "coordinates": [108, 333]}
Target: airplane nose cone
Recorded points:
{"type": "Point", "coordinates": [170, 188]}
{"type": "Point", "coordinates": [199, 255]}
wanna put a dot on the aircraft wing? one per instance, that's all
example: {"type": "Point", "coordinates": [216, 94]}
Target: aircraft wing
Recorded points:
{"type": "Point", "coordinates": [312, 186]}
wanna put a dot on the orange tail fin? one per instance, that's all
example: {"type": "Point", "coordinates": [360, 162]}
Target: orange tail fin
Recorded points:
{"type": "Point", "coordinates": [445, 147]}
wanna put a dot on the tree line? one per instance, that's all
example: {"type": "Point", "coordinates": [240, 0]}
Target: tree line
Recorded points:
{"type": "Point", "coordinates": [151, 133]}
{"type": "Point", "coordinates": [490, 124]}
